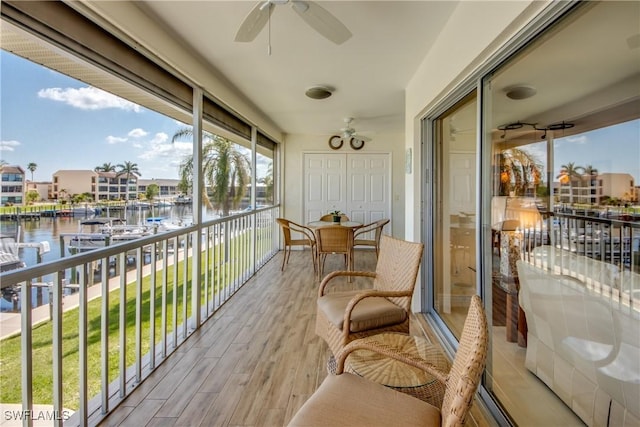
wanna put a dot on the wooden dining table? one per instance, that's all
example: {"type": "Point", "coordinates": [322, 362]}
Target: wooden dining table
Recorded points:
{"type": "Point", "coordinates": [317, 224]}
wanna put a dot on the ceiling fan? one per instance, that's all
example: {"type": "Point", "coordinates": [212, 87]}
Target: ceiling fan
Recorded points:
{"type": "Point", "coordinates": [316, 16]}
{"type": "Point", "coordinates": [348, 133]}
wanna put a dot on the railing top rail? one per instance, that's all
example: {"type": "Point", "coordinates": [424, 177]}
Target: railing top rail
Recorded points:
{"type": "Point", "coordinates": [15, 277]}
{"type": "Point", "coordinates": [600, 220]}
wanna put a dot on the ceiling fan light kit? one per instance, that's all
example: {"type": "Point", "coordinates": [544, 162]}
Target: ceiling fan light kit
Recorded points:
{"type": "Point", "coordinates": [519, 125]}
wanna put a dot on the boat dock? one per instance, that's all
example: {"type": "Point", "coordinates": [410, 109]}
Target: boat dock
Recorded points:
{"type": "Point", "coordinates": [17, 216]}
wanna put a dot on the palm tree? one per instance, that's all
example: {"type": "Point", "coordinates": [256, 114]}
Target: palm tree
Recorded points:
{"type": "Point", "coordinates": [106, 167]}
{"type": "Point", "coordinates": [267, 180]}
{"type": "Point", "coordinates": [224, 168]}
{"type": "Point", "coordinates": [567, 173]}
{"type": "Point", "coordinates": [62, 195]}
{"type": "Point", "coordinates": [152, 191]}
{"type": "Point", "coordinates": [518, 170]}
{"type": "Point", "coordinates": [32, 168]}
{"type": "Point", "coordinates": [127, 169]}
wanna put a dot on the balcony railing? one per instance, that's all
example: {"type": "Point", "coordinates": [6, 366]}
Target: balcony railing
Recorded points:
{"type": "Point", "coordinates": [614, 243]}
{"type": "Point", "coordinates": [131, 305]}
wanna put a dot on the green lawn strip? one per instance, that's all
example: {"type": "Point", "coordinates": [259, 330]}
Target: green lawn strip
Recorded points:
{"type": "Point", "coordinates": [10, 351]}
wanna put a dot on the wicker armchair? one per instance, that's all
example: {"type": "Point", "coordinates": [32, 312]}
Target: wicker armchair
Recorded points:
{"type": "Point", "coordinates": [308, 239]}
{"type": "Point", "coordinates": [334, 239]}
{"type": "Point", "coordinates": [377, 226]}
{"type": "Point", "coordinates": [329, 217]}
{"type": "Point", "coordinates": [384, 308]}
{"type": "Point", "coordinates": [348, 399]}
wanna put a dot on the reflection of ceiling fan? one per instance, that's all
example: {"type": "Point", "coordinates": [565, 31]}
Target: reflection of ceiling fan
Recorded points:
{"type": "Point", "coordinates": [455, 130]}
{"type": "Point", "coordinates": [316, 16]}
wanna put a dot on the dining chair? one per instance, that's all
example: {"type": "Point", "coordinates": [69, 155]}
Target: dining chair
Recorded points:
{"type": "Point", "coordinates": [359, 237]}
{"type": "Point", "coordinates": [344, 316]}
{"type": "Point", "coordinates": [334, 239]}
{"type": "Point", "coordinates": [329, 217]}
{"type": "Point", "coordinates": [308, 239]}
{"type": "Point", "coordinates": [349, 399]}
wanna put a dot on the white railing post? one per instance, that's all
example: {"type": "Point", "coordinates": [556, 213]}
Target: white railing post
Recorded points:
{"type": "Point", "coordinates": [26, 355]}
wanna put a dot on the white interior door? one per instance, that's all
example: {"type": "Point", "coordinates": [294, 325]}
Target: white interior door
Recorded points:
{"type": "Point", "coordinates": [368, 187]}
{"type": "Point", "coordinates": [325, 184]}
{"type": "Point", "coordinates": [356, 184]}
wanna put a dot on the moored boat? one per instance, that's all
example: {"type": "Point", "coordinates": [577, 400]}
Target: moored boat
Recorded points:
{"type": "Point", "coordinates": [97, 233]}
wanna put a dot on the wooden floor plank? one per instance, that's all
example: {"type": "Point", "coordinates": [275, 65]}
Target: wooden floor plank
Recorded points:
{"type": "Point", "coordinates": [194, 414]}
{"type": "Point", "coordinates": [223, 406]}
{"type": "Point", "coordinates": [143, 413]}
{"type": "Point", "coordinates": [184, 391]}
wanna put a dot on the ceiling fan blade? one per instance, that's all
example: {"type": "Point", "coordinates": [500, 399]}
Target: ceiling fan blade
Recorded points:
{"type": "Point", "coordinates": [322, 21]}
{"type": "Point", "coordinates": [254, 22]}
{"type": "Point", "coordinates": [364, 138]}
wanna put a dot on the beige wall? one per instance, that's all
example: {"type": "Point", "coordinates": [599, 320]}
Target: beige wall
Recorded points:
{"type": "Point", "coordinates": [296, 145]}
{"type": "Point", "coordinates": [73, 181]}
{"type": "Point", "coordinates": [42, 188]}
{"type": "Point", "coordinates": [617, 185]}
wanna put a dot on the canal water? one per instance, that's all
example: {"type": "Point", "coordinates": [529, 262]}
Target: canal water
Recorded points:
{"type": "Point", "coordinates": [49, 229]}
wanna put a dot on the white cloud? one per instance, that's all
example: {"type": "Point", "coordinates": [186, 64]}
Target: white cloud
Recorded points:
{"type": "Point", "coordinates": [578, 139]}
{"type": "Point", "coordinates": [160, 138]}
{"type": "Point", "coordinates": [88, 98]}
{"type": "Point", "coordinates": [137, 133]}
{"type": "Point", "coordinates": [115, 139]}
{"type": "Point", "coordinates": [159, 149]}
{"type": "Point", "coordinates": [9, 145]}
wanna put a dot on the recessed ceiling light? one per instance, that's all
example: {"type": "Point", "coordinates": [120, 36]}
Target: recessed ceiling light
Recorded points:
{"type": "Point", "coordinates": [520, 92]}
{"type": "Point", "coordinates": [319, 92]}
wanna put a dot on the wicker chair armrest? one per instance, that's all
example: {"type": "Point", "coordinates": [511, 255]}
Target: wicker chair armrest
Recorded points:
{"type": "Point", "coordinates": [306, 231]}
{"type": "Point", "coordinates": [391, 352]}
{"type": "Point", "coordinates": [325, 282]}
{"type": "Point", "coordinates": [364, 229]}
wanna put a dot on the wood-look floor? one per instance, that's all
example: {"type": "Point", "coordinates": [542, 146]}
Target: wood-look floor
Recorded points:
{"type": "Point", "coordinates": [254, 363]}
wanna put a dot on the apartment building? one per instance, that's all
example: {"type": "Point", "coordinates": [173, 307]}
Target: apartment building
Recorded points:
{"type": "Point", "coordinates": [43, 188]}
{"type": "Point", "coordinates": [13, 185]}
{"type": "Point", "coordinates": [166, 187]}
{"type": "Point", "coordinates": [596, 189]}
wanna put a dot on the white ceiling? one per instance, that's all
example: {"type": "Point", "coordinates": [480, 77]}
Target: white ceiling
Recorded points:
{"type": "Point", "coordinates": [369, 71]}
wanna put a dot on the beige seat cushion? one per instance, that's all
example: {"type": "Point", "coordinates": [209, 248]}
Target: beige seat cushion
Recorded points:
{"type": "Point", "coordinates": [349, 400]}
{"type": "Point", "coordinates": [370, 313]}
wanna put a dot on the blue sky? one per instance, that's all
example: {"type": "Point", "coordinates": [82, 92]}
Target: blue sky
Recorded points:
{"type": "Point", "coordinates": [613, 149]}
{"type": "Point", "coordinates": [61, 123]}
